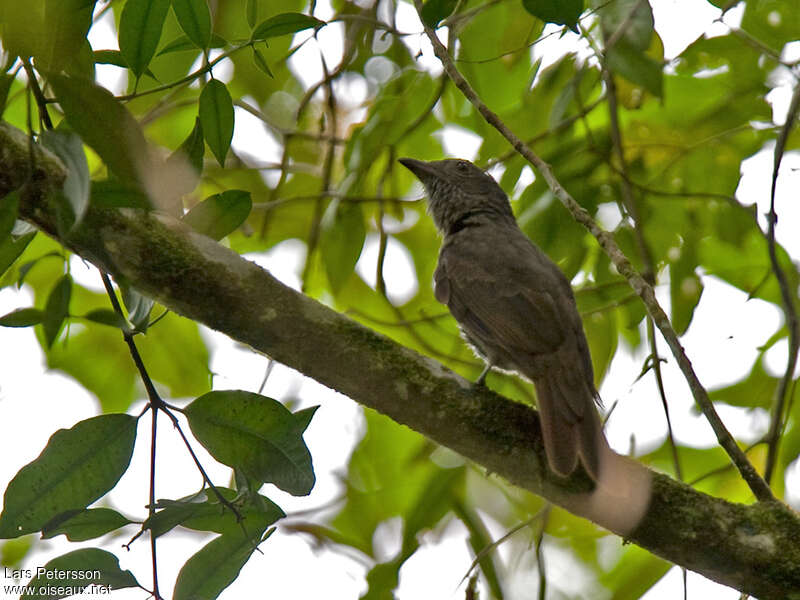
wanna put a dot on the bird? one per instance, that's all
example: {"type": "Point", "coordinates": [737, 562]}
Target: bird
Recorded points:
{"type": "Point", "coordinates": [514, 307]}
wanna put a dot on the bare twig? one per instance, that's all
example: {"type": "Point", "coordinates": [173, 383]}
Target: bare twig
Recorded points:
{"type": "Point", "coordinates": [787, 298]}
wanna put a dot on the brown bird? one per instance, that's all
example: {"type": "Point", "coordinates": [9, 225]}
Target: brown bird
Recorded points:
{"type": "Point", "coordinates": [514, 306]}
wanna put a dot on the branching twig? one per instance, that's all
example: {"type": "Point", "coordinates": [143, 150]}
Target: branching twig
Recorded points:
{"type": "Point", "coordinates": [758, 486]}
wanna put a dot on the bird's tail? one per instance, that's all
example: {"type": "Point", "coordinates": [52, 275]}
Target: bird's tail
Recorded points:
{"type": "Point", "coordinates": [570, 424]}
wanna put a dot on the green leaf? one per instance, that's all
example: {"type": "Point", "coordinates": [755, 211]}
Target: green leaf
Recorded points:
{"type": "Point", "coordinates": [284, 24]}
{"type": "Point", "coordinates": [433, 11]}
{"type": "Point", "coordinates": [53, 32]}
{"type": "Point", "coordinates": [86, 524]}
{"type": "Point", "coordinates": [561, 12]}
{"type": "Point", "coordinates": [216, 117]}
{"type": "Point", "coordinates": [138, 306]}
{"type": "Point", "coordinates": [65, 575]}
{"type": "Point", "coordinates": [140, 31]}
{"type": "Point", "coordinates": [184, 43]}
{"type": "Point", "coordinates": [754, 391]}
{"type": "Point", "coordinates": [205, 512]}
{"type": "Point", "coordinates": [77, 467]}
{"type": "Point", "coordinates": [195, 20]}
{"type": "Point", "coordinates": [106, 316]}
{"type": "Point", "coordinates": [261, 62]}
{"type": "Point", "coordinates": [342, 240]}
{"type": "Point", "coordinates": [192, 148]}
{"type": "Point", "coordinates": [251, 11]}
{"type": "Point", "coordinates": [9, 207]}
{"type": "Point", "coordinates": [110, 193]}
{"type": "Point", "coordinates": [11, 248]}
{"type": "Point", "coordinates": [685, 288]}
{"type": "Point", "coordinates": [255, 434]}
{"type": "Point", "coordinates": [635, 16]}
{"type": "Point", "coordinates": [69, 148]}
{"type": "Point", "coordinates": [57, 308]}
{"type": "Point", "coordinates": [22, 317]}
{"type": "Point", "coordinates": [214, 567]}
{"type": "Point", "coordinates": [104, 124]}
{"type": "Point", "coordinates": [636, 66]}
{"type": "Point", "coordinates": [220, 214]}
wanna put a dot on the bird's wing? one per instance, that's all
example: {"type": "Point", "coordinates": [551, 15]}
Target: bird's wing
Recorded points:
{"type": "Point", "coordinates": [508, 292]}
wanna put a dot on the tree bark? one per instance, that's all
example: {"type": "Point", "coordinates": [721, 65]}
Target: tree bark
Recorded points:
{"type": "Point", "coordinates": [752, 548]}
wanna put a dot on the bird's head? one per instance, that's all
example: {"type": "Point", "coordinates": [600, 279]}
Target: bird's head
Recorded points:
{"type": "Point", "coordinates": [457, 188]}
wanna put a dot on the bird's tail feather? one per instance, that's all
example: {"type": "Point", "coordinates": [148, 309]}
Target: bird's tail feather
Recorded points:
{"type": "Point", "coordinates": [570, 424]}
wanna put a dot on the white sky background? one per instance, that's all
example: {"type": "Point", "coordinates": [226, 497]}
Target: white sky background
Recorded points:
{"type": "Point", "coordinates": [722, 346]}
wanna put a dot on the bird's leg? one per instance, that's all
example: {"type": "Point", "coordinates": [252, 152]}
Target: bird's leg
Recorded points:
{"type": "Point", "coordinates": [481, 381]}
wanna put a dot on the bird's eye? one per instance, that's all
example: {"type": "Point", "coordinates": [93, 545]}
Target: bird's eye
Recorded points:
{"type": "Point", "coordinates": [462, 165]}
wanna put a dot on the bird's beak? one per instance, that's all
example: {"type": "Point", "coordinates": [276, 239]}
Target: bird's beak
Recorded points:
{"type": "Point", "coordinates": [423, 170]}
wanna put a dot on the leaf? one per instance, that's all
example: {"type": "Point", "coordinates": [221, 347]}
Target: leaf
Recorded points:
{"type": "Point", "coordinates": [69, 148]}
{"type": "Point", "coordinates": [87, 524]}
{"type": "Point", "coordinates": [9, 208]}
{"type": "Point", "coordinates": [561, 12]}
{"type": "Point", "coordinates": [195, 20]}
{"type": "Point", "coordinates": [251, 11]}
{"type": "Point", "coordinates": [138, 306]}
{"type": "Point", "coordinates": [64, 575]}
{"type": "Point", "coordinates": [261, 62]}
{"type": "Point", "coordinates": [104, 124]}
{"type": "Point", "coordinates": [184, 43]}
{"type": "Point", "coordinates": [192, 148]}
{"type": "Point", "coordinates": [110, 193]}
{"type": "Point", "coordinates": [53, 32]}
{"type": "Point", "coordinates": [22, 317]}
{"type": "Point", "coordinates": [216, 117]}
{"type": "Point", "coordinates": [636, 66]}
{"type": "Point", "coordinates": [635, 16]}
{"type": "Point", "coordinates": [77, 467]}
{"type": "Point", "coordinates": [214, 567]}
{"type": "Point", "coordinates": [57, 308]}
{"type": "Point", "coordinates": [106, 316]}
{"type": "Point", "coordinates": [11, 248]}
{"type": "Point", "coordinates": [140, 31]}
{"type": "Point", "coordinates": [433, 11]}
{"type": "Point", "coordinates": [284, 24]}
{"type": "Point", "coordinates": [205, 512]}
{"type": "Point", "coordinates": [685, 288]}
{"type": "Point", "coordinates": [220, 214]}
{"type": "Point", "coordinates": [342, 240]}
{"type": "Point", "coordinates": [255, 434]}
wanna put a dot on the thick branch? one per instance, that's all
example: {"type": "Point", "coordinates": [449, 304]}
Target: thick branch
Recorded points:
{"type": "Point", "coordinates": [752, 548]}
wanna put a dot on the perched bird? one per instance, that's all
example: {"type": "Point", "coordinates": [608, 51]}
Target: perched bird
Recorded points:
{"type": "Point", "coordinates": [514, 306]}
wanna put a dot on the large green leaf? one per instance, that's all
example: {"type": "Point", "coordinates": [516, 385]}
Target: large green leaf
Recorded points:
{"type": "Point", "coordinates": [343, 236]}
{"type": "Point", "coordinates": [215, 566]}
{"type": "Point", "coordinates": [77, 466]}
{"type": "Point", "coordinates": [220, 214]}
{"type": "Point", "coordinates": [57, 309]}
{"type": "Point", "coordinates": [284, 24]}
{"type": "Point", "coordinates": [562, 12]}
{"type": "Point", "coordinates": [69, 573]}
{"type": "Point", "coordinates": [195, 20]}
{"type": "Point", "coordinates": [140, 31]}
{"type": "Point", "coordinates": [104, 124]}
{"type": "Point", "coordinates": [255, 434]}
{"type": "Point", "coordinates": [216, 117]}
{"type": "Point", "coordinates": [86, 524]}
{"type": "Point", "coordinates": [53, 32]}
{"type": "Point", "coordinates": [68, 147]}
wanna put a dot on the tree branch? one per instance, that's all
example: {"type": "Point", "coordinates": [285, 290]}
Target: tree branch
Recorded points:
{"type": "Point", "coordinates": [753, 548]}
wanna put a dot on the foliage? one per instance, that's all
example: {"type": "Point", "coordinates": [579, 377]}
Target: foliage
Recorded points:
{"type": "Point", "coordinates": [667, 157]}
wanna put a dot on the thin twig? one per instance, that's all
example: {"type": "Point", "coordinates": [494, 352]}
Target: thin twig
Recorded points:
{"type": "Point", "coordinates": [758, 486]}
{"type": "Point", "coordinates": [787, 298]}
